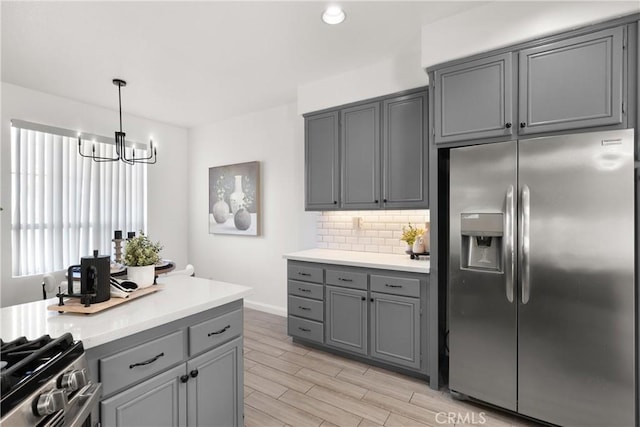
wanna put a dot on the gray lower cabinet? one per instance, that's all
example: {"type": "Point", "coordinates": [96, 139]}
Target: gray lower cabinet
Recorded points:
{"type": "Point", "coordinates": [346, 319]}
{"type": "Point", "coordinates": [474, 99]}
{"type": "Point", "coordinates": [215, 387]}
{"type": "Point", "coordinates": [572, 83]}
{"type": "Point", "coordinates": [360, 139]}
{"type": "Point", "coordinates": [160, 401]}
{"type": "Point", "coordinates": [395, 329]}
{"type": "Point", "coordinates": [405, 152]}
{"type": "Point", "coordinates": [322, 173]}
{"type": "Point", "coordinates": [372, 314]}
{"type": "Point", "coordinates": [185, 373]}
{"type": "Point", "coordinates": [305, 301]}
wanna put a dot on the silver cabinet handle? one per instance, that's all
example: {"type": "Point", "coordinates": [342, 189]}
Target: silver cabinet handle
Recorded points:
{"type": "Point", "coordinates": [304, 290]}
{"type": "Point", "coordinates": [345, 280]}
{"type": "Point", "coordinates": [304, 308]}
{"type": "Point", "coordinates": [525, 214]}
{"type": "Point", "coordinates": [509, 245]}
{"type": "Point", "coordinates": [392, 286]}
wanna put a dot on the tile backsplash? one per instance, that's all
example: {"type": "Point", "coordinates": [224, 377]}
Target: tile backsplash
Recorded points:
{"type": "Point", "coordinates": [379, 231]}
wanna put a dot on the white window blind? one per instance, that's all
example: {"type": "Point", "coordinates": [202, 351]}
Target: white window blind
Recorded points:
{"type": "Point", "coordinates": [64, 206]}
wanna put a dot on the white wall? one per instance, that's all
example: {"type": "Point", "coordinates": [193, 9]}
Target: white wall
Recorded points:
{"type": "Point", "coordinates": [387, 76]}
{"type": "Point", "coordinates": [275, 138]}
{"type": "Point", "coordinates": [499, 24]}
{"type": "Point", "coordinates": [167, 198]}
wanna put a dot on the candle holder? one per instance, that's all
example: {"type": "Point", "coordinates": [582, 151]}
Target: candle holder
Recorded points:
{"type": "Point", "coordinates": [117, 253]}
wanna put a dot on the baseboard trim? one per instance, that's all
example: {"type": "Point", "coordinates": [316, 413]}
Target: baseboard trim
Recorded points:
{"type": "Point", "coordinates": [267, 308]}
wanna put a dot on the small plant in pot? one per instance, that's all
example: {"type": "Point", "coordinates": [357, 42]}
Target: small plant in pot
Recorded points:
{"type": "Point", "coordinates": [410, 234]}
{"type": "Point", "coordinates": [140, 257]}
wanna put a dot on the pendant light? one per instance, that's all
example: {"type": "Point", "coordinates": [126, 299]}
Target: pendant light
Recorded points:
{"type": "Point", "coordinates": [120, 142]}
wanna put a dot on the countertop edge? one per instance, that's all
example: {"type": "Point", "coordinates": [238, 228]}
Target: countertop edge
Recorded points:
{"type": "Point", "coordinates": [360, 263]}
{"type": "Point", "coordinates": [107, 337]}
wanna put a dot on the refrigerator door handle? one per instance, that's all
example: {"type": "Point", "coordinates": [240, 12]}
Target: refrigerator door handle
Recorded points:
{"type": "Point", "coordinates": [525, 213]}
{"type": "Point", "coordinates": [509, 244]}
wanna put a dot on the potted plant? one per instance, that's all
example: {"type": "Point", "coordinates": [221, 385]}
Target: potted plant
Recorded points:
{"type": "Point", "coordinates": [410, 234]}
{"type": "Point", "coordinates": [140, 257]}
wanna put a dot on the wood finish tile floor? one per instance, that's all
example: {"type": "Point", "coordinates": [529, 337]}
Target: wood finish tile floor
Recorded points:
{"type": "Point", "coordinates": [288, 384]}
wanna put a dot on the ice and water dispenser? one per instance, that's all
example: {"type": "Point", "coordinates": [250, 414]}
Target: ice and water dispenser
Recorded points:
{"type": "Point", "coordinates": [482, 247]}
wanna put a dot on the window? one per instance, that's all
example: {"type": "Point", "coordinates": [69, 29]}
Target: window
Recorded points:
{"type": "Point", "coordinates": [64, 206]}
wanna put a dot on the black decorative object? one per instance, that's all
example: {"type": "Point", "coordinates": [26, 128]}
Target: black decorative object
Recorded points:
{"type": "Point", "coordinates": [120, 142]}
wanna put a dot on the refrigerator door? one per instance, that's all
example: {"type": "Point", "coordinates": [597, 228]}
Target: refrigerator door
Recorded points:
{"type": "Point", "coordinates": [576, 295]}
{"type": "Point", "coordinates": [482, 305]}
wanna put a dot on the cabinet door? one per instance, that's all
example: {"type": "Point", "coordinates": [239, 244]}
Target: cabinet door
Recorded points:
{"type": "Point", "coordinates": [322, 173]}
{"type": "Point", "coordinates": [215, 387]}
{"type": "Point", "coordinates": [346, 319]}
{"type": "Point", "coordinates": [572, 83]}
{"type": "Point", "coordinates": [160, 401]}
{"type": "Point", "coordinates": [473, 100]}
{"type": "Point", "coordinates": [360, 132]}
{"type": "Point", "coordinates": [395, 329]}
{"type": "Point", "coordinates": [405, 152]}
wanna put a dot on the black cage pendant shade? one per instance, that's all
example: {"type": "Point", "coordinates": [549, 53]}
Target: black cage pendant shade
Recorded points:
{"type": "Point", "coordinates": [120, 142]}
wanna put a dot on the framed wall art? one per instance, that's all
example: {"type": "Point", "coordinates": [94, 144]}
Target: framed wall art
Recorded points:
{"type": "Point", "coordinates": [234, 199]}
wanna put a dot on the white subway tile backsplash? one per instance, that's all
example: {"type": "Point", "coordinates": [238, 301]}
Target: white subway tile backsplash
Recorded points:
{"type": "Point", "coordinates": [380, 231]}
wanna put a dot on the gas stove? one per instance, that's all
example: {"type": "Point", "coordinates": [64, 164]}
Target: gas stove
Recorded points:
{"type": "Point", "coordinates": [45, 382]}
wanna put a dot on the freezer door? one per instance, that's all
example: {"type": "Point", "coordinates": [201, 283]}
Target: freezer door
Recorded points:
{"type": "Point", "coordinates": [576, 299]}
{"type": "Point", "coordinates": [482, 307]}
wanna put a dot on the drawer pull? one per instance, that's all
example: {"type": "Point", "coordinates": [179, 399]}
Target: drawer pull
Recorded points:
{"type": "Point", "coordinates": [304, 290]}
{"type": "Point", "coordinates": [184, 378]}
{"type": "Point", "coordinates": [304, 274]}
{"type": "Point", "coordinates": [303, 308]}
{"type": "Point", "coordinates": [219, 331]}
{"type": "Point", "coordinates": [146, 362]}
{"type": "Point", "coordinates": [304, 329]}
{"type": "Point", "coordinates": [194, 373]}
{"type": "Point", "coordinates": [345, 280]}
{"type": "Point", "coordinates": [392, 286]}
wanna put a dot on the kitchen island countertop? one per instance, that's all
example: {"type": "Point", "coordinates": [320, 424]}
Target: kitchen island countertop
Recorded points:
{"type": "Point", "coordinates": [363, 259]}
{"type": "Point", "coordinates": [178, 297]}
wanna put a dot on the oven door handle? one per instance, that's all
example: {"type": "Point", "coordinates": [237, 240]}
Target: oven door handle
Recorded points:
{"type": "Point", "coordinates": [88, 397]}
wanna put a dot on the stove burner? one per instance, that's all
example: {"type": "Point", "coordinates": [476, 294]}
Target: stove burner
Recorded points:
{"type": "Point", "coordinates": [29, 363]}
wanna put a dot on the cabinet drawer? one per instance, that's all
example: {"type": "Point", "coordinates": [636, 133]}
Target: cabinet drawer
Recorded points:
{"type": "Point", "coordinates": [143, 361]}
{"type": "Point", "coordinates": [209, 334]}
{"type": "Point", "coordinates": [305, 272]}
{"type": "Point", "coordinates": [307, 290]}
{"type": "Point", "coordinates": [307, 308]}
{"type": "Point", "coordinates": [307, 329]}
{"type": "Point", "coordinates": [395, 285]}
{"type": "Point", "coordinates": [347, 279]}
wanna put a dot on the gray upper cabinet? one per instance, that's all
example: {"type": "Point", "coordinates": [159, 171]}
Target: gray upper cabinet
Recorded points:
{"type": "Point", "coordinates": [369, 155]}
{"type": "Point", "coordinates": [215, 387]}
{"type": "Point", "coordinates": [322, 173]}
{"type": "Point", "coordinates": [474, 100]}
{"type": "Point", "coordinates": [395, 329]}
{"type": "Point", "coordinates": [346, 319]}
{"type": "Point", "coordinates": [573, 83]}
{"type": "Point", "coordinates": [360, 139]}
{"type": "Point", "coordinates": [405, 152]}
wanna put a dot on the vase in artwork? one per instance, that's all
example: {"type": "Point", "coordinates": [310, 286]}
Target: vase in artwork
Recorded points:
{"type": "Point", "coordinates": [143, 276]}
{"type": "Point", "coordinates": [242, 219]}
{"type": "Point", "coordinates": [236, 199]}
{"type": "Point", "coordinates": [220, 211]}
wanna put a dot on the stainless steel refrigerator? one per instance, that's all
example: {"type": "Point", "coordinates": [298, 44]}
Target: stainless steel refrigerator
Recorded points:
{"type": "Point", "coordinates": [541, 277]}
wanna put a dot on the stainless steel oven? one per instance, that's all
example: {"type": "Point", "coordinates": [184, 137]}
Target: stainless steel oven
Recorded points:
{"type": "Point", "coordinates": [45, 382]}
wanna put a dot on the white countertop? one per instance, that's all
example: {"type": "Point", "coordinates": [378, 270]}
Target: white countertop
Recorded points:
{"type": "Point", "coordinates": [363, 259]}
{"type": "Point", "coordinates": [179, 296]}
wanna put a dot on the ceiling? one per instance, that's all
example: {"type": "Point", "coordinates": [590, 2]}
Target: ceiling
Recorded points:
{"type": "Point", "coordinates": [192, 63]}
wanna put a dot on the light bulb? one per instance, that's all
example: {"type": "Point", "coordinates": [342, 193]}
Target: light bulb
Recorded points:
{"type": "Point", "coordinates": [333, 15]}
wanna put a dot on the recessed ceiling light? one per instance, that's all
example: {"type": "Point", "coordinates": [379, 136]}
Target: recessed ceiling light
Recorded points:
{"type": "Point", "coordinates": [333, 15]}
